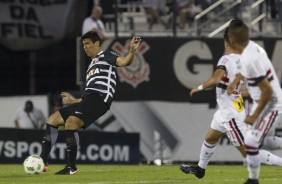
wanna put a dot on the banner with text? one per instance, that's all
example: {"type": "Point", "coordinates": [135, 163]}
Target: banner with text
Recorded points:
{"type": "Point", "coordinates": [95, 147]}
{"type": "Point", "coordinates": [31, 25]}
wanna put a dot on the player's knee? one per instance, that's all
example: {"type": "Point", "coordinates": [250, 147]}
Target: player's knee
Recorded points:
{"type": "Point", "coordinates": [250, 140]}
{"type": "Point", "coordinates": [72, 123]}
{"type": "Point", "coordinates": [55, 119]}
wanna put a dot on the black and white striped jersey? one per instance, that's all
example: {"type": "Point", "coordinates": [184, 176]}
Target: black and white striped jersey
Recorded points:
{"type": "Point", "coordinates": [101, 76]}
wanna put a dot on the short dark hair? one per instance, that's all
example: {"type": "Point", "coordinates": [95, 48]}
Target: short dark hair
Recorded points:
{"type": "Point", "coordinates": [239, 30]}
{"type": "Point", "coordinates": [92, 35]}
{"type": "Point", "coordinates": [28, 106]}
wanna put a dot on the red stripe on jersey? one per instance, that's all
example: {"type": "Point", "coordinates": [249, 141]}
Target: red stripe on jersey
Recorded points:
{"type": "Point", "coordinates": [236, 133]}
{"type": "Point", "coordinates": [225, 79]}
{"type": "Point", "coordinates": [268, 72]}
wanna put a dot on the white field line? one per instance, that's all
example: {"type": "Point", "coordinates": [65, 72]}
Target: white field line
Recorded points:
{"type": "Point", "coordinates": [179, 181]}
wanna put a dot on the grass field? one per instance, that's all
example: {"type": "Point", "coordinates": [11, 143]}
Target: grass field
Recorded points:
{"type": "Point", "coordinates": [138, 174]}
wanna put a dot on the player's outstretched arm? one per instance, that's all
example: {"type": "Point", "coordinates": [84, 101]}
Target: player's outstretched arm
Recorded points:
{"type": "Point", "coordinates": [68, 99]}
{"type": "Point", "coordinates": [211, 82]}
{"type": "Point", "coordinates": [266, 93]}
{"type": "Point", "coordinates": [127, 60]}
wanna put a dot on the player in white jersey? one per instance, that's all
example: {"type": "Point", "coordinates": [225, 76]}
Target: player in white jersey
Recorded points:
{"type": "Point", "coordinates": [229, 118]}
{"type": "Point", "coordinates": [264, 88]}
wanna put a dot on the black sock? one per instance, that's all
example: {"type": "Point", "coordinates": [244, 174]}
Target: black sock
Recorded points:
{"type": "Point", "coordinates": [72, 139]}
{"type": "Point", "coordinates": [49, 139]}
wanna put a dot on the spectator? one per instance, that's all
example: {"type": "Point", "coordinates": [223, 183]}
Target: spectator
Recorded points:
{"type": "Point", "coordinates": [186, 10]}
{"type": "Point", "coordinates": [156, 9]}
{"type": "Point", "coordinates": [94, 22]}
{"type": "Point", "coordinates": [273, 8]}
{"type": "Point", "coordinates": [29, 117]}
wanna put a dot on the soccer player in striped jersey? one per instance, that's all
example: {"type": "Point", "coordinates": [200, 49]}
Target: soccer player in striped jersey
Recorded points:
{"type": "Point", "coordinates": [229, 118]}
{"type": "Point", "coordinates": [264, 88]}
{"type": "Point", "coordinates": [95, 102]}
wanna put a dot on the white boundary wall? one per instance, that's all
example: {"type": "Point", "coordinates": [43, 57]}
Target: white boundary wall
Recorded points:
{"type": "Point", "coordinates": [10, 105]}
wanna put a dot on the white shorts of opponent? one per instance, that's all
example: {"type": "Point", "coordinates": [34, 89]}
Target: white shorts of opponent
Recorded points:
{"type": "Point", "coordinates": [234, 127]}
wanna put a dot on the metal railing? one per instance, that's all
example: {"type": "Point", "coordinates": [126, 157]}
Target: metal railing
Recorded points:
{"type": "Point", "coordinates": [222, 12]}
{"type": "Point", "coordinates": [203, 13]}
{"type": "Point", "coordinates": [260, 17]}
{"type": "Point", "coordinates": [252, 23]}
{"type": "Point", "coordinates": [219, 29]}
{"type": "Point", "coordinates": [132, 18]}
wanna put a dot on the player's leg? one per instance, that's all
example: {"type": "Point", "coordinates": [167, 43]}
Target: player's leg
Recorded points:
{"type": "Point", "coordinates": [214, 134]}
{"type": "Point", "coordinates": [207, 150]}
{"type": "Point", "coordinates": [253, 140]}
{"type": "Point", "coordinates": [269, 158]}
{"type": "Point", "coordinates": [87, 111]}
{"type": "Point", "coordinates": [73, 124]}
{"type": "Point", "coordinates": [50, 137]}
{"type": "Point", "coordinates": [252, 157]}
{"type": "Point", "coordinates": [208, 147]}
{"type": "Point", "coordinates": [272, 142]}
{"type": "Point", "coordinates": [265, 156]}
{"type": "Point", "coordinates": [239, 129]}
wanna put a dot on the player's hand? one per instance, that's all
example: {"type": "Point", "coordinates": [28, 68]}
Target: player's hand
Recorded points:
{"type": "Point", "coordinates": [67, 97]}
{"type": "Point", "coordinates": [230, 89]}
{"type": "Point", "coordinates": [194, 90]}
{"type": "Point", "coordinates": [135, 42]}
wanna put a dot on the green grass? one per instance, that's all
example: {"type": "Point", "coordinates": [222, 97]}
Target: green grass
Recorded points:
{"type": "Point", "coordinates": [139, 174]}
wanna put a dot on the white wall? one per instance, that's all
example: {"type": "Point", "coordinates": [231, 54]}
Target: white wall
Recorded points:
{"type": "Point", "coordinates": [9, 106]}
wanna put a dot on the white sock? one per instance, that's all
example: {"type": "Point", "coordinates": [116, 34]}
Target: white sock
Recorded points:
{"type": "Point", "coordinates": [272, 143]}
{"type": "Point", "coordinates": [253, 162]}
{"type": "Point", "coordinates": [270, 159]}
{"type": "Point", "coordinates": [205, 154]}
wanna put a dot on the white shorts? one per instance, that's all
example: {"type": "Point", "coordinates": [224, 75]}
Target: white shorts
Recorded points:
{"type": "Point", "coordinates": [235, 128]}
{"type": "Point", "coordinates": [266, 126]}
{"type": "Point", "coordinates": [267, 118]}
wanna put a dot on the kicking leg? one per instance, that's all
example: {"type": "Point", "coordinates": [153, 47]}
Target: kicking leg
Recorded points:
{"type": "Point", "coordinates": [208, 147]}
{"type": "Point", "coordinates": [272, 143]}
{"type": "Point", "coordinates": [265, 157]}
{"type": "Point", "coordinates": [269, 158]}
{"type": "Point", "coordinates": [206, 153]}
{"type": "Point", "coordinates": [50, 137]}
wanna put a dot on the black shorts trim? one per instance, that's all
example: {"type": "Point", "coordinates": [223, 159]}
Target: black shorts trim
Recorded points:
{"type": "Point", "coordinates": [88, 110]}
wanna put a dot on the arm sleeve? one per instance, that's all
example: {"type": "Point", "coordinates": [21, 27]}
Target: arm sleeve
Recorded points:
{"type": "Point", "coordinates": [222, 63]}
{"type": "Point", "coordinates": [221, 67]}
{"type": "Point", "coordinates": [111, 57]}
{"type": "Point", "coordinates": [255, 72]}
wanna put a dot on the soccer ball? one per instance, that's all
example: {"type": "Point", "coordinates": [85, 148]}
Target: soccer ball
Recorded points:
{"type": "Point", "coordinates": [33, 164]}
